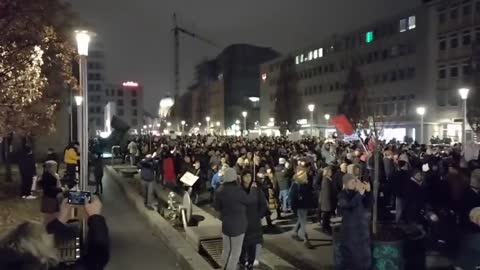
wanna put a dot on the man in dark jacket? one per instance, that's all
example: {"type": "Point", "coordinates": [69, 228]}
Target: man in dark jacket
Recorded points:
{"type": "Point", "coordinates": [147, 173]}
{"type": "Point", "coordinates": [28, 247]}
{"type": "Point", "coordinates": [28, 171]}
{"type": "Point", "coordinates": [232, 201]}
{"type": "Point", "coordinates": [353, 205]}
{"type": "Point", "coordinates": [399, 180]}
{"type": "Point", "coordinates": [415, 198]}
{"type": "Point", "coordinates": [470, 200]}
{"type": "Point", "coordinates": [282, 175]}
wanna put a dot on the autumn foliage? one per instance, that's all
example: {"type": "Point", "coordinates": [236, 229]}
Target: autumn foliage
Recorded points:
{"type": "Point", "coordinates": [36, 56]}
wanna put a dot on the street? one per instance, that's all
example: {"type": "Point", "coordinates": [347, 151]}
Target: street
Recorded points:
{"type": "Point", "coordinates": [133, 245]}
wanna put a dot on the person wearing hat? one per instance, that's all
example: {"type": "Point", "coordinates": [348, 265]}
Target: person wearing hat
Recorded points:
{"type": "Point", "coordinates": [353, 206]}
{"type": "Point", "coordinates": [469, 250]}
{"type": "Point", "coordinates": [231, 202]}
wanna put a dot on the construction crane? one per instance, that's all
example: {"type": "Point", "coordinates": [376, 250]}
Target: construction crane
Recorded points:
{"type": "Point", "coordinates": [176, 65]}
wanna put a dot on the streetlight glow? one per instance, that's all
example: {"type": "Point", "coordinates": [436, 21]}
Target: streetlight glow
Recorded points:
{"type": "Point", "coordinates": [78, 100]}
{"type": "Point", "coordinates": [83, 40]}
{"type": "Point", "coordinates": [311, 107]}
{"type": "Point", "coordinates": [169, 124]}
{"type": "Point", "coordinates": [207, 118]}
{"type": "Point", "coordinates": [237, 122]}
{"type": "Point", "coordinates": [183, 122]}
{"type": "Point", "coordinates": [421, 110]}
{"type": "Point", "coordinates": [218, 124]}
{"type": "Point", "coordinates": [463, 93]}
{"type": "Point", "coordinates": [244, 114]}
{"type": "Point", "coordinates": [327, 116]}
{"type": "Point", "coordinates": [272, 119]}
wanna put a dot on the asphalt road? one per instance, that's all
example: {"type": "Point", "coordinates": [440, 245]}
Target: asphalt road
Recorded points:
{"type": "Point", "coordinates": [133, 244]}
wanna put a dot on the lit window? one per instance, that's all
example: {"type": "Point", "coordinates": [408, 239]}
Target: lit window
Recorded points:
{"type": "Point", "coordinates": [310, 55]}
{"type": "Point", "coordinates": [297, 60]}
{"type": "Point", "coordinates": [411, 22]}
{"type": "Point", "coordinates": [264, 75]}
{"type": "Point", "coordinates": [315, 54]}
{"type": "Point", "coordinates": [403, 25]}
{"type": "Point", "coordinates": [369, 36]}
{"type": "Point", "coordinates": [301, 58]}
{"type": "Point", "coordinates": [320, 52]}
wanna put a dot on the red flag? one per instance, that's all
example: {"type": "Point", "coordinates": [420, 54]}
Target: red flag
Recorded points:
{"type": "Point", "coordinates": [341, 123]}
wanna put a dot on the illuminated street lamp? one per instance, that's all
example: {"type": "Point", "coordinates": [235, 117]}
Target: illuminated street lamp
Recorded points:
{"type": "Point", "coordinates": [311, 109]}
{"type": "Point", "coordinates": [208, 123]}
{"type": "Point", "coordinates": [421, 111]}
{"type": "Point", "coordinates": [169, 124]}
{"type": "Point", "coordinates": [327, 117]}
{"type": "Point", "coordinates": [183, 126]}
{"type": "Point", "coordinates": [464, 96]}
{"type": "Point", "coordinates": [83, 40]}
{"type": "Point", "coordinates": [244, 114]}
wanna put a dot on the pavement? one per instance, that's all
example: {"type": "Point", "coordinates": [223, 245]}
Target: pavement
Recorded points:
{"type": "Point", "coordinates": [133, 243]}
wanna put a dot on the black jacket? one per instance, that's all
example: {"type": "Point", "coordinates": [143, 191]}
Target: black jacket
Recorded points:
{"type": "Point", "coordinates": [232, 201]}
{"type": "Point", "coordinates": [26, 165]}
{"type": "Point", "coordinates": [470, 200]}
{"type": "Point", "coordinates": [301, 196]}
{"type": "Point", "coordinates": [256, 210]}
{"type": "Point", "coordinates": [48, 184]}
{"type": "Point", "coordinates": [97, 257]}
{"type": "Point", "coordinates": [415, 201]}
{"type": "Point", "coordinates": [399, 182]}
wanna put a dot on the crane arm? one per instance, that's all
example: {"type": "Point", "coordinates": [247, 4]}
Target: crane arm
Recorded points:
{"type": "Point", "coordinates": [193, 35]}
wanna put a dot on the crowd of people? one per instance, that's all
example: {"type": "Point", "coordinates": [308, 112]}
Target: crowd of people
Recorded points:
{"type": "Point", "coordinates": [432, 187]}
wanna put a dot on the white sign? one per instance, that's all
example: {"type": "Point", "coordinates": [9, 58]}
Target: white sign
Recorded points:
{"type": "Point", "coordinates": [189, 179]}
{"type": "Point", "coordinates": [295, 136]}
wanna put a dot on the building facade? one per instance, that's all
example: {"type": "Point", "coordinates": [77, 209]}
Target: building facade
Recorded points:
{"type": "Point", "coordinates": [96, 87]}
{"type": "Point", "coordinates": [126, 99]}
{"type": "Point", "coordinates": [400, 62]}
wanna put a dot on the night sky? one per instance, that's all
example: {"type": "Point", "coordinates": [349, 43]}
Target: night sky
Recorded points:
{"type": "Point", "coordinates": [139, 44]}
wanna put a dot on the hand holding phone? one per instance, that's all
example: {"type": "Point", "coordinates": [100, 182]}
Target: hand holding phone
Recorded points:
{"type": "Point", "coordinates": [79, 197]}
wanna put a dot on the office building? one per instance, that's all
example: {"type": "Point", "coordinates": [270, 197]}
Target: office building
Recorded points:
{"type": "Point", "coordinates": [125, 100]}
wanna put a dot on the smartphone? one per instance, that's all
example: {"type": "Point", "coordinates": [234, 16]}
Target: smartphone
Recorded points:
{"type": "Point", "coordinates": [79, 197]}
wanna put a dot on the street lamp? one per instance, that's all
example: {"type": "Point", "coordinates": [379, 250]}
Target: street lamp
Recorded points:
{"type": "Point", "coordinates": [208, 123]}
{"type": "Point", "coordinates": [311, 108]}
{"type": "Point", "coordinates": [169, 124]}
{"type": "Point", "coordinates": [244, 114]}
{"type": "Point", "coordinates": [83, 41]}
{"type": "Point", "coordinates": [421, 111]}
{"type": "Point", "coordinates": [464, 96]}
{"type": "Point", "coordinates": [183, 126]}
{"type": "Point", "coordinates": [327, 117]}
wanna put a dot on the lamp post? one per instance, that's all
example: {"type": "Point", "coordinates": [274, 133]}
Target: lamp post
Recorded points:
{"type": "Point", "coordinates": [464, 95]}
{"type": "Point", "coordinates": [83, 40]}
{"type": "Point", "coordinates": [158, 127]}
{"type": "Point", "coordinates": [421, 112]}
{"type": "Point", "coordinates": [183, 126]}
{"type": "Point", "coordinates": [311, 108]}
{"type": "Point", "coordinates": [327, 117]}
{"type": "Point", "coordinates": [244, 114]}
{"type": "Point", "coordinates": [78, 102]}
{"type": "Point", "coordinates": [208, 123]}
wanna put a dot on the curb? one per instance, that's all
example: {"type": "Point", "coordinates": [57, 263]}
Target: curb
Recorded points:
{"type": "Point", "coordinates": [186, 255]}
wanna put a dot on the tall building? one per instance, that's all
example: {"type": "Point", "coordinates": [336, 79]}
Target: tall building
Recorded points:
{"type": "Point", "coordinates": [126, 99]}
{"type": "Point", "coordinates": [226, 85]}
{"type": "Point", "coordinates": [405, 61]}
{"type": "Point", "coordinates": [96, 87]}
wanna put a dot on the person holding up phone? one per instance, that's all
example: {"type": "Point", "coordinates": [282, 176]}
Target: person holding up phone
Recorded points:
{"type": "Point", "coordinates": [353, 206]}
{"type": "Point", "coordinates": [28, 246]}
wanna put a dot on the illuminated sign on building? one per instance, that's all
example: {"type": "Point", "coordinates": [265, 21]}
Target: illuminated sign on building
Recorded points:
{"type": "Point", "coordinates": [130, 84]}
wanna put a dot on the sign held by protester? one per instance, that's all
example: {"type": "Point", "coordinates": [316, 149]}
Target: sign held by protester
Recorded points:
{"type": "Point", "coordinates": [189, 179]}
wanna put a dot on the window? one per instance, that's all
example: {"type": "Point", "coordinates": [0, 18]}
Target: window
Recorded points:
{"type": "Point", "coordinates": [310, 55]}
{"type": "Point", "coordinates": [441, 17]}
{"type": "Point", "coordinates": [134, 122]}
{"type": "Point", "coordinates": [384, 54]}
{"type": "Point", "coordinates": [134, 94]}
{"type": "Point", "coordinates": [98, 121]}
{"type": "Point", "coordinates": [401, 74]}
{"type": "Point", "coordinates": [411, 73]}
{"type": "Point", "coordinates": [91, 86]}
{"type": "Point", "coordinates": [442, 98]}
{"type": "Point", "coordinates": [393, 76]}
{"type": "Point", "coordinates": [301, 58]}
{"type": "Point", "coordinates": [297, 60]}
{"type": "Point", "coordinates": [453, 14]}
{"type": "Point", "coordinates": [320, 52]}
{"type": "Point", "coordinates": [120, 93]}
{"type": "Point", "coordinates": [120, 102]}
{"type": "Point", "coordinates": [369, 37]}
{"type": "Point", "coordinates": [454, 43]}
{"type": "Point", "coordinates": [337, 85]}
{"type": "Point", "coordinates": [467, 10]}
{"type": "Point", "coordinates": [442, 73]}
{"type": "Point", "coordinates": [98, 109]}
{"type": "Point", "coordinates": [452, 98]}
{"type": "Point", "coordinates": [331, 68]}
{"type": "Point", "coordinates": [466, 70]}
{"type": "Point", "coordinates": [403, 25]}
{"type": "Point", "coordinates": [466, 39]}
{"type": "Point", "coordinates": [134, 102]}
{"type": "Point", "coordinates": [134, 112]}
{"type": "Point", "coordinates": [442, 45]}
{"type": "Point", "coordinates": [454, 72]}
{"type": "Point", "coordinates": [90, 76]}
{"type": "Point", "coordinates": [120, 112]}
{"type": "Point", "coordinates": [384, 77]}
{"type": "Point", "coordinates": [315, 54]}
{"type": "Point", "coordinates": [98, 87]}
{"type": "Point", "coordinates": [477, 7]}
{"type": "Point", "coordinates": [411, 22]}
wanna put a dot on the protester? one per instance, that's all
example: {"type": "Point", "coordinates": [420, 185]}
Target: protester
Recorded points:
{"type": "Point", "coordinates": [282, 176]}
{"type": "Point", "coordinates": [256, 210]}
{"type": "Point", "coordinates": [328, 200]}
{"type": "Point", "coordinates": [72, 162]}
{"type": "Point", "coordinates": [133, 151]}
{"type": "Point", "coordinates": [148, 176]}
{"type": "Point", "coordinates": [353, 205]}
{"type": "Point", "coordinates": [52, 191]}
{"type": "Point", "coordinates": [231, 202]}
{"type": "Point", "coordinates": [28, 173]}
{"type": "Point", "coordinates": [301, 199]}
{"type": "Point", "coordinates": [51, 156]}
{"type": "Point", "coordinates": [98, 173]}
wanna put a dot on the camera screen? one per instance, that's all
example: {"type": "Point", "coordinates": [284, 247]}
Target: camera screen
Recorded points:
{"type": "Point", "coordinates": [78, 197]}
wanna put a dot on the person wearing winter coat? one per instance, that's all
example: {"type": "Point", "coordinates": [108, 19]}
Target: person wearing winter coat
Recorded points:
{"type": "Point", "coordinates": [50, 184]}
{"type": "Point", "coordinates": [98, 173]}
{"type": "Point", "coordinates": [29, 247]}
{"type": "Point", "coordinates": [72, 160]}
{"type": "Point", "coordinates": [28, 172]}
{"type": "Point", "coordinates": [256, 210]}
{"type": "Point", "coordinates": [415, 198]}
{"type": "Point", "coordinates": [328, 199]}
{"type": "Point", "coordinates": [400, 179]}
{"type": "Point", "coordinates": [147, 173]}
{"type": "Point", "coordinates": [231, 202]}
{"type": "Point", "coordinates": [301, 199]}
{"type": "Point", "coordinates": [169, 176]}
{"type": "Point", "coordinates": [282, 177]}
{"type": "Point", "coordinates": [353, 206]}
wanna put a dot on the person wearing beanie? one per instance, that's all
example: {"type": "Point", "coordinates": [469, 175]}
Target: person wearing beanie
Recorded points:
{"type": "Point", "coordinates": [353, 206]}
{"type": "Point", "coordinates": [231, 202]}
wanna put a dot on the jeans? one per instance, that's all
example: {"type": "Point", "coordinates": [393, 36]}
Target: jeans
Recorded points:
{"type": "Point", "coordinates": [248, 254]}
{"type": "Point", "coordinates": [149, 190]}
{"type": "Point", "coordinates": [399, 206]}
{"type": "Point", "coordinates": [232, 248]}
{"type": "Point", "coordinates": [301, 225]}
{"type": "Point", "coordinates": [283, 197]}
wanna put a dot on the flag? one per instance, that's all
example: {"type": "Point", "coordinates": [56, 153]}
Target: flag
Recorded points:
{"type": "Point", "coordinates": [341, 123]}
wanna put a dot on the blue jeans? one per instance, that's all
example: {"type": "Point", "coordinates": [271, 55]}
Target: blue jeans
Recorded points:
{"type": "Point", "coordinates": [283, 197]}
{"type": "Point", "coordinates": [301, 225]}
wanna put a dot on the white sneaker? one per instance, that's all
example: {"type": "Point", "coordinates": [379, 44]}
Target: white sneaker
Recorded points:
{"type": "Point", "coordinates": [24, 197]}
{"type": "Point", "coordinates": [31, 197]}
{"type": "Point", "coordinates": [256, 263]}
